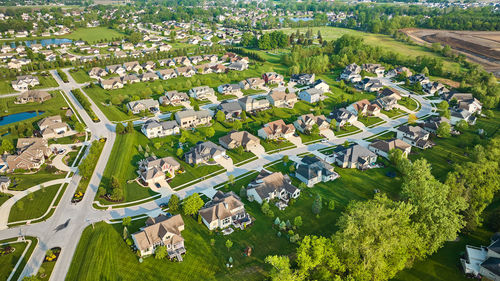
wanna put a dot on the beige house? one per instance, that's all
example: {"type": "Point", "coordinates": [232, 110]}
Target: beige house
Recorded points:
{"type": "Point", "coordinates": [31, 154]}
{"type": "Point", "coordinates": [268, 186]}
{"type": "Point", "coordinates": [383, 147]}
{"type": "Point", "coordinates": [306, 122]}
{"type": "Point", "coordinates": [144, 105]}
{"type": "Point", "coordinates": [237, 139]}
{"type": "Point", "coordinates": [202, 92]}
{"type": "Point", "coordinates": [282, 99]}
{"type": "Point", "coordinates": [186, 71]}
{"type": "Point", "coordinates": [33, 96]}
{"type": "Point", "coordinates": [153, 170]}
{"type": "Point", "coordinates": [53, 127]}
{"type": "Point", "coordinates": [223, 210]}
{"type": "Point", "coordinates": [250, 104]}
{"type": "Point", "coordinates": [276, 130]}
{"type": "Point", "coordinates": [166, 73]}
{"type": "Point", "coordinates": [97, 72]}
{"type": "Point", "coordinates": [161, 231]}
{"type": "Point", "coordinates": [23, 83]}
{"type": "Point", "coordinates": [111, 83]}
{"type": "Point", "coordinates": [190, 118]}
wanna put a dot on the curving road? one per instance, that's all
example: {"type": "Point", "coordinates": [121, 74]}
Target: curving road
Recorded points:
{"type": "Point", "coordinates": [66, 225]}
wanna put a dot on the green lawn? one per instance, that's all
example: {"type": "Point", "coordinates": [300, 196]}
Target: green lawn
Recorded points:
{"type": "Point", "coordinates": [46, 81]}
{"type": "Point", "coordinates": [32, 208]}
{"type": "Point", "coordinates": [409, 103]}
{"type": "Point", "coordinates": [80, 76]}
{"type": "Point", "coordinates": [369, 121]}
{"type": "Point", "coordinates": [25, 181]}
{"type": "Point", "coordinates": [8, 262]}
{"type": "Point", "coordinates": [274, 145]}
{"type": "Point", "coordinates": [237, 158]}
{"type": "Point", "coordinates": [347, 129]}
{"type": "Point", "coordinates": [94, 34]}
{"type": "Point", "coordinates": [4, 197]}
{"type": "Point", "coordinates": [309, 138]}
{"type": "Point", "coordinates": [385, 136]}
{"type": "Point", "coordinates": [6, 87]}
{"type": "Point", "coordinates": [393, 113]}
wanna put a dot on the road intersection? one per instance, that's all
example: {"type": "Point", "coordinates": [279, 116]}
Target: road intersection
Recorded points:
{"type": "Point", "coordinates": [76, 217]}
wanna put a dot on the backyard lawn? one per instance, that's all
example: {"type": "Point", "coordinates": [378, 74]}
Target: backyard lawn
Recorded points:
{"type": "Point", "coordinates": [34, 207]}
{"type": "Point", "coordinates": [7, 262]}
{"type": "Point", "coordinates": [409, 103]}
{"type": "Point", "coordinates": [94, 34]}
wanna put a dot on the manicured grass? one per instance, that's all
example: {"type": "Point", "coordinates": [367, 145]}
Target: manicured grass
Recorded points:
{"type": "Point", "coordinates": [4, 197]}
{"type": "Point", "coordinates": [6, 87]}
{"type": "Point", "coordinates": [94, 34]}
{"type": "Point", "coordinates": [347, 129]}
{"type": "Point", "coordinates": [70, 157]}
{"type": "Point", "coordinates": [46, 81]}
{"type": "Point", "coordinates": [8, 262]}
{"type": "Point", "coordinates": [237, 158]}
{"type": "Point", "coordinates": [84, 182]}
{"type": "Point", "coordinates": [25, 181]}
{"type": "Point", "coordinates": [408, 103]}
{"type": "Point", "coordinates": [253, 92]}
{"type": "Point", "coordinates": [80, 76]}
{"type": "Point", "coordinates": [393, 113]}
{"type": "Point", "coordinates": [309, 137]}
{"type": "Point", "coordinates": [27, 208]}
{"type": "Point", "coordinates": [385, 136]}
{"type": "Point", "coordinates": [274, 145]}
{"type": "Point", "coordinates": [369, 121]}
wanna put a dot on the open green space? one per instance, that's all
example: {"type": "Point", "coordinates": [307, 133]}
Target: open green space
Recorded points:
{"type": "Point", "coordinates": [369, 121]}
{"type": "Point", "coordinates": [309, 137]}
{"type": "Point", "coordinates": [4, 197]}
{"type": "Point", "coordinates": [394, 113]}
{"type": "Point", "coordinates": [25, 181]}
{"type": "Point", "coordinates": [409, 103]}
{"type": "Point", "coordinates": [80, 75]}
{"type": "Point", "coordinates": [8, 261]}
{"type": "Point", "coordinates": [346, 129]}
{"type": "Point", "coordinates": [33, 205]}
{"type": "Point", "coordinates": [46, 81]}
{"type": "Point", "coordinates": [94, 34]}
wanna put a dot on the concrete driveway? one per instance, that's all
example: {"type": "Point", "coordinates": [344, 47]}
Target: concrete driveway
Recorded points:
{"type": "Point", "coordinates": [296, 140]}
{"type": "Point", "coordinates": [327, 133]}
{"type": "Point", "coordinates": [258, 150]}
{"type": "Point", "coordinates": [227, 163]}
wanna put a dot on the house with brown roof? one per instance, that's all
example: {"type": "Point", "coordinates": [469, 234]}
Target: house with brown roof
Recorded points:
{"type": "Point", "coordinates": [53, 127]}
{"type": "Point", "coordinates": [166, 73]}
{"type": "Point", "coordinates": [161, 231]}
{"type": "Point", "coordinates": [251, 104]}
{"type": "Point", "coordinates": [31, 154]}
{"type": "Point", "coordinates": [268, 186]}
{"type": "Point", "coordinates": [383, 147]}
{"type": "Point", "coordinates": [276, 130]}
{"type": "Point", "coordinates": [203, 153]}
{"type": "Point", "coordinates": [186, 71]}
{"type": "Point", "coordinates": [272, 78]}
{"type": "Point", "coordinates": [153, 170]}
{"type": "Point", "coordinates": [219, 68]}
{"type": "Point", "coordinates": [236, 139]}
{"type": "Point", "coordinates": [306, 122]}
{"type": "Point", "coordinates": [97, 72]}
{"type": "Point", "coordinates": [203, 69]}
{"type": "Point", "coordinates": [33, 96]}
{"type": "Point", "coordinates": [132, 66]}
{"type": "Point", "coordinates": [111, 83]}
{"type": "Point", "coordinates": [364, 107]}
{"type": "Point", "coordinates": [223, 210]}
{"type": "Point", "coordinates": [149, 76]}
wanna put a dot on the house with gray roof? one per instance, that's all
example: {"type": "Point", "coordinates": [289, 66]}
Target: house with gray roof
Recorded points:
{"type": "Point", "coordinates": [174, 98]}
{"type": "Point", "coordinates": [483, 261]}
{"type": "Point", "coordinates": [231, 109]}
{"type": "Point", "coordinates": [229, 89]}
{"type": "Point", "coordinates": [204, 152]}
{"type": "Point", "coordinates": [152, 169]}
{"type": "Point", "coordinates": [157, 129]}
{"type": "Point", "coordinates": [223, 210]}
{"type": "Point", "coordinates": [144, 105]}
{"type": "Point", "coordinates": [414, 135]}
{"type": "Point", "coordinates": [343, 116]}
{"type": "Point", "coordinates": [383, 147]}
{"type": "Point", "coordinates": [250, 104]}
{"type": "Point", "coordinates": [202, 92]}
{"type": "Point", "coordinates": [190, 118]}
{"type": "Point", "coordinates": [312, 170]}
{"type": "Point", "coordinates": [354, 156]}
{"type": "Point", "coordinates": [268, 186]}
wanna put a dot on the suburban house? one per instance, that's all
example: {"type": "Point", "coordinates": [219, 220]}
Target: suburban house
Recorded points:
{"type": "Point", "coordinates": [374, 68]}
{"type": "Point", "coordinates": [343, 116]}
{"type": "Point", "coordinates": [132, 66]}
{"type": "Point", "coordinates": [312, 170]}
{"type": "Point", "coordinates": [231, 109]}
{"type": "Point", "coordinates": [219, 68]}
{"type": "Point", "coordinates": [320, 85]}
{"type": "Point", "coordinates": [273, 78]}
{"type": "Point", "coordinates": [364, 107]}
{"type": "Point", "coordinates": [350, 76]}
{"type": "Point", "coordinates": [186, 71]}
{"type": "Point", "coordinates": [252, 83]}
{"type": "Point", "coordinates": [204, 69]}
{"type": "Point", "coordinates": [419, 78]}
{"type": "Point", "coordinates": [268, 186]}
{"type": "Point", "coordinates": [383, 147]}
{"type": "Point", "coordinates": [276, 130]}
{"type": "Point", "coordinates": [354, 156]}
{"type": "Point", "coordinates": [52, 127]}
{"type": "Point", "coordinates": [204, 152]}
{"type": "Point", "coordinates": [434, 88]}
{"type": "Point", "coordinates": [144, 105]}
{"type": "Point", "coordinates": [306, 122]}
{"type": "Point", "coordinates": [282, 99]}
{"type": "Point", "coordinates": [4, 182]}
{"type": "Point", "coordinates": [229, 89]}
{"type": "Point", "coordinates": [33, 96]}
{"type": "Point", "coordinates": [111, 83]}
{"type": "Point", "coordinates": [116, 68]}
{"type": "Point", "coordinates": [153, 170]}
{"type": "Point", "coordinates": [174, 98]}
{"type": "Point", "coordinates": [202, 92]}
{"type": "Point", "coordinates": [149, 65]}
{"type": "Point", "coordinates": [414, 135]}
{"type": "Point", "coordinates": [223, 210]}
{"type": "Point", "coordinates": [161, 231]}
{"type": "Point", "coordinates": [483, 261]}
{"type": "Point", "coordinates": [97, 72]}
{"type": "Point", "coordinates": [386, 103]}
{"type": "Point", "coordinates": [23, 83]}
{"type": "Point", "coordinates": [130, 79]}
{"type": "Point", "coordinates": [251, 104]}
{"type": "Point", "coordinates": [166, 73]}
{"type": "Point", "coordinates": [190, 118]}
{"type": "Point", "coordinates": [303, 78]}
{"type": "Point", "coordinates": [155, 129]}
{"type": "Point", "coordinates": [166, 62]}
{"type": "Point", "coordinates": [31, 154]}
{"type": "Point", "coordinates": [239, 66]}
{"type": "Point", "coordinates": [465, 106]}
{"type": "Point", "coordinates": [432, 124]}
{"type": "Point", "coordinates": [311, 95]}
{"type": "Point", "coordinates": [239, 138]}
{"type": "Point", "coordinates": [370, 84]}
{"type": "Point", "coordinates": [149, 76]}
{"type": "Point", "coordinates": [398, 70]}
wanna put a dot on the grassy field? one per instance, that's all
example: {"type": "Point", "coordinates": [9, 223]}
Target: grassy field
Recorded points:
{"type": "Point", "coordinates": [408, 103]}
{"type": "Point", "coordinates": [8, 262]}
{"type": "Point", "coordinates": [25, 181]}
{"type": "Point", "coordinates": [4, 197]}
{"type": "Point", "coordinates": [369, 121]}
{"type": "Point", "coordinates": [94, 34]}
{"type": "Point", "coordinates": [384, 41]}
{"type": "Point", "coordinates": [80, 76]}
{"type": "Point", "coordinates": [346, 129]}
{"type": "Point", "coordinates": [393, 113]}
{"type": "Point", "coordinates": [32, 208]}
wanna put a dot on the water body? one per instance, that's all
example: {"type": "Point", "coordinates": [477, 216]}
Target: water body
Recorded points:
{"type": "Point", "coordinates": [9, 119]}
{"type": "Point", "coordinates": [44, 42]}
{"type": "Point", "coordinates": [301, 19]}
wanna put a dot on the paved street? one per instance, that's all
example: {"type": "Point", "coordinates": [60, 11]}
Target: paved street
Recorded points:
{"type": "Point", "coordinates": [76, 217]}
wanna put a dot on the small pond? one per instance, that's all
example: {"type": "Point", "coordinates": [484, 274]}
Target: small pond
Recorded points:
{"type": "Point", "coordinates": [44, 42]}
{"type": "Point", "coordinates": [9, 119]}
